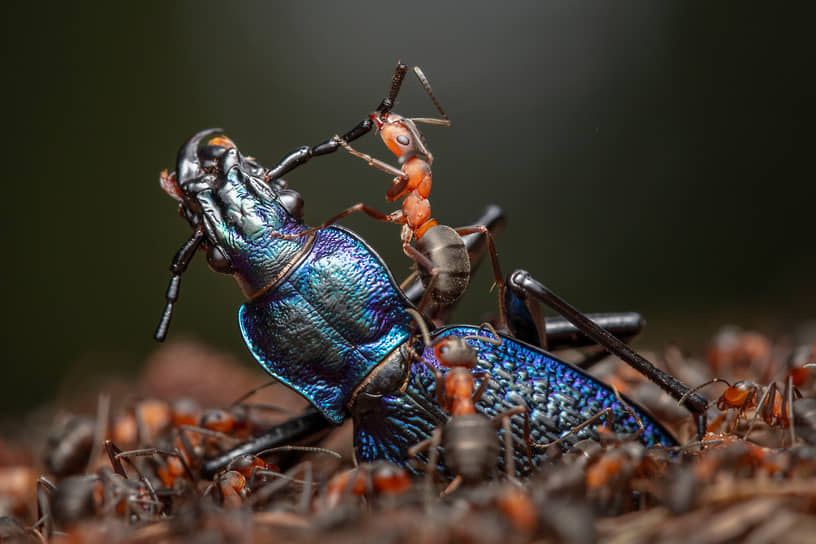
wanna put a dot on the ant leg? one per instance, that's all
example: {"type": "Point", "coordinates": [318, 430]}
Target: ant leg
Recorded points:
{"type": "Point", "coordinates": [359, 207]}
{"type": "Point", "coordinates": [632, 413]}
{"type": "Point", "coordinates": [476, 245]}
{"type": "Point", "coordinates": [433, 443]}
{"type": "Point", "coordinates": [751, 396]}
{"type": "Point", "coordinates": [376, 163]}
{"type": "Point", "coordinates": [251, 392]}
{"type": "Point", "coordinates": [787, 408]}
{"type": "Point", "coordinates": [504, 417]}
{"type": "Point", "coordinates": [116, 455]}
{"type": "Point", "coordinates": [262, 494]}
{"type": "Point", "coordinates": [44, 490]}
{"type": "Point", "coordinates": [804, 413]}
{"type": "Point", "coordinates": [494, 260]}
{"type": "Point", "coordinates": [694, 389]}
{"type": "Point", "coordinates": [453, 486]}
{"type": "Point", "coordinates": [524, 285]}
{"type": "Point", "coordinates": [482, 385]}
{"type": "Point", "coordinates": [606, 413]}
{"type": "Point", "coordinates": [433, 272]}
{"type": "Point", "coordinates": [509, 461]}
{"type": "Point", "coordinates": [101, 427]}
{"type": "Point", "coordinates": [409, 283]}
{"type": "Point", "coordinates": [768, 398]}
{"type": "Point", "coordinates": [437, 374]}
{"type": "Point", "coordinates": [398, 188]}
{"type": "Point", "coordinates": [116, 462]}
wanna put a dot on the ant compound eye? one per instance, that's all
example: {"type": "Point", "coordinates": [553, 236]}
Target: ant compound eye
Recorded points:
{"type": "Point", "coordinates": [404, 140]}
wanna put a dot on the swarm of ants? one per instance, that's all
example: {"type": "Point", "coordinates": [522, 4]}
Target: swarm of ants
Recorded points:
{"type": "Point", "coordinates": [132, 471]}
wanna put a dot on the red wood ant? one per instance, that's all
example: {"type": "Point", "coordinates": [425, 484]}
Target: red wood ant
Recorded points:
{"type": "Point", "coordinates": [773, 407]}
{"type": "Point", "coordinates": [469, 439]}
{"type": "Point", "coordinates": [249, 478]}
{"type": "Point", "coordinates": [440, 252]}
{"type": "Point", "coordinates": [368, 479]}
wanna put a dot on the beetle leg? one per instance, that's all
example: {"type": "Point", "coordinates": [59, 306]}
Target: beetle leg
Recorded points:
{"type": "Point", "coordinates": [303, 154]}
{"type": "Point", "coordinates": [526, 287]}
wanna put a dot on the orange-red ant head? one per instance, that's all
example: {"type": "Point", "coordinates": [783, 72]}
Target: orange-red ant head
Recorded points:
{"type": "Point", "coordinates": [217, 420]}
{"type": "Point", "coordinates": [401, 136]}
{"type": "Point", "coordinates": [740, 395]}
{"type": "Point", "coordinates": [246, 464]}
{"type": "Point", "coordinates": [453, 351]}
{"type": "Point", "coordinates": [390, 479]}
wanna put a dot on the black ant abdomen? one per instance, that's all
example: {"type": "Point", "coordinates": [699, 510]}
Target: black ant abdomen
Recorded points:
{"type": "Point", "coordinates": [446, 250]}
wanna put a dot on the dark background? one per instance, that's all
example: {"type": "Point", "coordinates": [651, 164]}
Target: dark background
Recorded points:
{"type": "Point", "coordinates": [650, 156]}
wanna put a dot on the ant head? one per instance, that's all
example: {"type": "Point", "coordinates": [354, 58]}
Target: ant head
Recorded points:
{"type": "Point", "coordinates": [453, 351]}
{"type": "Point", "coordinates": [403, 138]}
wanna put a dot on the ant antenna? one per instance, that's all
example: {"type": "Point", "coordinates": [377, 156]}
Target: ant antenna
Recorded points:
{"type": "Point", "coordinates": [420, 321]}
{"type": "Point", "coordinates": [427, 86]}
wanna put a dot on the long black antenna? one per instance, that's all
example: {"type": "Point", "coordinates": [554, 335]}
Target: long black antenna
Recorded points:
{"type": "Point", "coordinates": [182, 258]}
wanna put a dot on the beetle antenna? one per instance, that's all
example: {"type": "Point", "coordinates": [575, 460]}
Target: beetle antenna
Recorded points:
{"type": "Point", "coordinates": [182, 258]}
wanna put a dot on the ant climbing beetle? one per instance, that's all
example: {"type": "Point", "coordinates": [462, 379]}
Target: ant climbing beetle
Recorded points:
{"type": "Point", "coordinates": [468, 437]}
{"type": "Point", "coordinates": [325, 317]}
{"type": "Point", "coordinates": [440, 253]}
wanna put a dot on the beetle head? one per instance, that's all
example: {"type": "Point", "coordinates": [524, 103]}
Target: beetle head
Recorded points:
{"type": "Point", "coordinates": [229, 197]}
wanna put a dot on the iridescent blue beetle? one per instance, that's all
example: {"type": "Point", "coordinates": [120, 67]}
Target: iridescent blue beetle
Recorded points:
{"type": "Point", "coordinates": [325, 317]}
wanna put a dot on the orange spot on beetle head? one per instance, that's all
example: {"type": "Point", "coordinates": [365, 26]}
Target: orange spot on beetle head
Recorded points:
{"type": "Point", "coordinates": [221, 141]}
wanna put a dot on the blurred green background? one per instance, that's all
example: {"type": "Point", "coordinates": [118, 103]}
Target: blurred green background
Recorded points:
{"type": "Point", "coordinates": [650, 156]}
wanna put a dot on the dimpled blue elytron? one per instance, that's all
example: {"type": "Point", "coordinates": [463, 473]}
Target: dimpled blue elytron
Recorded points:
{"type": "Point", "coordinates": [329, 323]}
{"type": "Point", "coordinates": [557, 395]}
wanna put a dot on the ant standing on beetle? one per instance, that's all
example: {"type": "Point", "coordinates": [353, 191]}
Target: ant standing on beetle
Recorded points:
{"type": "Point", "coordinates": [469, 438]}
{"type": "Point", "coordinates": [440, 253]}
